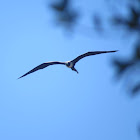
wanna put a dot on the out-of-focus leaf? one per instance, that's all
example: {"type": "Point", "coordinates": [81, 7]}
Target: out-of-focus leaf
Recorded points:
{"type": "Point", "coordinates": [68, 17]}
{"type": "Point", "coordinates": [136, 89]}
{"type": "Point", "coordinates": [137, 53]}
{"type": "Point", "coordinates": [61, 6]}
{"type": "Point", "coordinates": [64, 14]}
{"type": "Point", "coordinates": [132, 22]}
{"type": "Point", "coordinates": [97, 22]}
{"type": "Point", "coordinates": [139, 129]}
{"type": "Point", "coordinates": [117, 20]}
{"type": "Point", "coordinates": [134, 13]}
{"type": "Point", "coordinates": [122, 66]}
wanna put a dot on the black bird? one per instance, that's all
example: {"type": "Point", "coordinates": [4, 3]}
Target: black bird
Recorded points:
{"type": "Point", "coordinates": [69, 64]}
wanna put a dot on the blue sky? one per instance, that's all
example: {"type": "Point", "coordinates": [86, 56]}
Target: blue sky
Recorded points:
{"type": "Point", "coordinates": [56, 103]}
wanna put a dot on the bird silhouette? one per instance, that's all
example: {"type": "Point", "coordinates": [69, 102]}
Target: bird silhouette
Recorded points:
{"type": "Point", "coordinates": [69, 64]}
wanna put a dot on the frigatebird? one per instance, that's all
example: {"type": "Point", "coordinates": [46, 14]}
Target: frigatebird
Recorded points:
{"type": "Point", "coordinates": [69, 64]}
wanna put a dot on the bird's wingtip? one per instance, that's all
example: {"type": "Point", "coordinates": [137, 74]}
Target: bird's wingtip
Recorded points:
{"type": "Point", "coordinates": [19, 77]}
{"type": "Point", "coordinates": [114, 51]}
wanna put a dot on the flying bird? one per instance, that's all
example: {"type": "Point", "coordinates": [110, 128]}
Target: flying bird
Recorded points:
{"type": "Point", "coordinates": [69, 64]}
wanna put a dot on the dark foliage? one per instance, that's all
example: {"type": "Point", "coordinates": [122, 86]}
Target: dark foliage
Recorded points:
{"type": "Point", "coordinates": [67, 16]}
{"type": "Point", "coordinates": [64, 13]}
{"type": "Point", "coordinates": [129, 23]}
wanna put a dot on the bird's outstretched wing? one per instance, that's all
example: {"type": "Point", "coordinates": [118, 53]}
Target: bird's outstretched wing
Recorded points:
{"type": "Point", "coordinates": [88, 54]}
{"type": "Point", "coordinates": [42, 66]}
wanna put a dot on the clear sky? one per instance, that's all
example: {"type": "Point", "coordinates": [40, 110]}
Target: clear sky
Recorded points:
{"type": "Point", "coordinates": [56, 103]}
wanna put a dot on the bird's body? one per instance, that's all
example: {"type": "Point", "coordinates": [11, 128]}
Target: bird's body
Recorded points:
{"type": "Point", "coordinates": [69, 64]}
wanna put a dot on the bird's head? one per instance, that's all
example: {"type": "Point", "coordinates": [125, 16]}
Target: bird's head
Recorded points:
{"type": "Point", "coordinates": [68, 64]}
